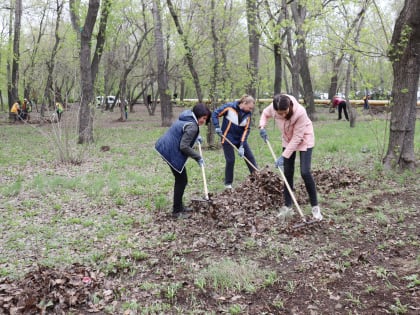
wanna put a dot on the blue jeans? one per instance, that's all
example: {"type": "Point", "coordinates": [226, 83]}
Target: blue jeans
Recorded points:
{"type": "Point", "coordinates": [229, 152]}
{"type": "Point", "coordinates": [305, 172]}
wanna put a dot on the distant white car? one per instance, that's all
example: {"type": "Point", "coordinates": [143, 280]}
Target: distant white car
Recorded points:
{"type": "Point", "coordinates": [110, 99]}
{"type": "Point", "coordinates": [99, 101]}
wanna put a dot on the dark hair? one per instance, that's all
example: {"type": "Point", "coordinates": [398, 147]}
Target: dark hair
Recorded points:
{"type": "Point", "coordinates": [283, 102]}
{"type": "Point", "coordinates": [201, 110]}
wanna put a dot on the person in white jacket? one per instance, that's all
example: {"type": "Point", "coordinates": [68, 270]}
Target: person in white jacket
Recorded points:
{"type": "Point", "coordinates": [297, 135]}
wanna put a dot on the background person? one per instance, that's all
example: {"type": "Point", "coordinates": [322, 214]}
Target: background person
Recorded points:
{"type": "Point", "coordinates": [175, 147]}
{"type": "Point", "coordinates": [342, 106]}
{"type": "Point", "coordinates": [297, 135]}
{"type": "Point", "coordinates": [235, 127]}
{"type": "Point", "coordinates": [15, 110]}
{"type": "Point", "coordinates": [366, 101]}
{"type": "Point", "coordinates": [59, 110]}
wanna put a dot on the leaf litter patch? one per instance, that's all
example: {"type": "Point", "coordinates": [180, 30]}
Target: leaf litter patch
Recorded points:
{"type": "Point", "coordinates": [52, 291]}
{"type": "Point", "coordinates": [255, 203]}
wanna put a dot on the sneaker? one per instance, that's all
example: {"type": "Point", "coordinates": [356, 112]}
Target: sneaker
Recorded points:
{"type": "Point", "coordinates": [316, 212]}
{"type": "Point", "coordinates": [285, 211]}
{"type": "Point", "coordinates": [228, 186]}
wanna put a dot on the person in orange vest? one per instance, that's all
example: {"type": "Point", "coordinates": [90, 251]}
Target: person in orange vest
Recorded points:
{"type": "Point", "coordinates": [26, 109]}
{"type": "Point", "coordinates": [59, 110]}
{"type": "Point", "coordinates": [15, 110]}
{"type": "Point", "coordinates": [366, 101]}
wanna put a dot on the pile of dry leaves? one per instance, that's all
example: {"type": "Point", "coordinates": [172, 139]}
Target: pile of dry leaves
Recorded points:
{"type": "Point", "coordinates": [51, 291]}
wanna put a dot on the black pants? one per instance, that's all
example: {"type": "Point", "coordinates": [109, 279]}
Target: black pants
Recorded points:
{"type": "Point", "coordinates": [181, 181]}
{"type": "Point", "coordinates": [229, 152]}
{"type": "Point", "coordinates": [342, 107]}
{"type": "Point", "coordinates": [305, 172]}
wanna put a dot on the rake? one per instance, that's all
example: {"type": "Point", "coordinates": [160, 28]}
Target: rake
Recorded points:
{"type": "Point", "coordinates": [284, 214]}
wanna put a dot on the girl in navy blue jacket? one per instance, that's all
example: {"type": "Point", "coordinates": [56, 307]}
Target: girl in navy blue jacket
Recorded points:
{"type": "Point", "coordinates": [235, 128]}
{"type": "Point", "coordinates": [175, 147]}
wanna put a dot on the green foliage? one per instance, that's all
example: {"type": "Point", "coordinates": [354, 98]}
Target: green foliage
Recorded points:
{"type": "Point", "coordinates": [398, 307]}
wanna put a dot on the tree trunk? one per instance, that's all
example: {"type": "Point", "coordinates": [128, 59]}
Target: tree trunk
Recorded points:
{"type": "Point", "coordinates": [404, 54]}
{"type": "Point", "coordinates": [254, 46]}
{"type": "Point", "coordinates": [351, 111]}
{"type": "Point", "coordinates": [299, 15]}
{"type": "Point", "coordinates": [100, 39]}
{"type": "Point", "coordinates": [162, 75]}
{"type": "Point", "coordinates": [10, 61]}
{"type": "Point", "coordinates": [87, 98]}
{"type": "Point", "coordinates": [14, 92]}
{"type": "Point", "coordinates": [278, 68]}
{"type": "Point", "coordinates": [334, 77]}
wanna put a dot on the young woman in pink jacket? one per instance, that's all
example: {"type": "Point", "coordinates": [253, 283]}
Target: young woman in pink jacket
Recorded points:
{"type": "Point", "coordinates": [297, 135]}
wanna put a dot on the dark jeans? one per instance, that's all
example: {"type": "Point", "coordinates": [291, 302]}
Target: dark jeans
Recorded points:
{"type": "Point", "coordinates": [229, 152]}
{"type": "Point", "coordinates": [342, 107]}
{"type": "Point", "coordinates": [181, 181]}
{"type": "Point", "coordinates": [305, 172]}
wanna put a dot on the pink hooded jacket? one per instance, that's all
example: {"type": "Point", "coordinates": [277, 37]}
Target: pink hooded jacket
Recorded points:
{"type": "Point", "coordinates": [297, 132]}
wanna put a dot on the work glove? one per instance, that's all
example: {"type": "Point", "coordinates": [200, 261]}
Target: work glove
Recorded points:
{"type": "Point", "coordinates": [199, 140]}
{"type": "Point", "coordinates": [219, 131]}
{"type": "Point", "coordinates": [280, 162]}
{"type": "Point", "coordinates": [201, 162]}
{"type": "Point", "coordinates": [241, 151]}
{"type": "Point", "coordinates": [263, 134]}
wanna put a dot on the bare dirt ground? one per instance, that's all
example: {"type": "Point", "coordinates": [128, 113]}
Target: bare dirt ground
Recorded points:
{"type": "Point", "coordinates": [363, 258]}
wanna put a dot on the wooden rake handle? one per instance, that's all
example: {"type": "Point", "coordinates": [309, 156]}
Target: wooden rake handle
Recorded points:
{"type": "Point", "coordinates": [286, 183]}
{"type": "Point", "coordinates": [203, 172]}
{"type": "Point", "coordinates": [248, 161]}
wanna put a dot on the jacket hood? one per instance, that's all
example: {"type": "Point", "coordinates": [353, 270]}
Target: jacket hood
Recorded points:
{"type": "Point", "coordinates": [188, 115]}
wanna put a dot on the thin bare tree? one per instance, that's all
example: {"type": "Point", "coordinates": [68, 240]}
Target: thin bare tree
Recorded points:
{"type": "Point", "coordinates": [188, 51]}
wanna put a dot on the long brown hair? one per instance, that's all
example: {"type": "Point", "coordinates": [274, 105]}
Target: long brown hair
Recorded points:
{"type": "Point", "coordinates": [283, 102]}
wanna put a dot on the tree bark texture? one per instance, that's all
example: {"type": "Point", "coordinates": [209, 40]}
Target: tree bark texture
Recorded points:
{"type": "Point", "coordinates": [254, 46]}
{"type": "Point", "coordinates": [14, 93]}
{"type": "Point", "coordinates": [162, 75]}
{"type": "Point", "coordinates": [100, 39]}
{"type": "Point", "coordinates": [404, 54]}
{"type": "Point", "coordinates": [299, 15]}
{"type": "Point", "coordinates": [278, 68]}
{"type": "Point", "coordinates": [87, 100]}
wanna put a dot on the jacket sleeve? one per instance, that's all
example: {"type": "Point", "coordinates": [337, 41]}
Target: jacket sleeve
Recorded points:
{"type": "Point", "coordinates": [217, 113]}
{"type": "Point", "coordinates": [267, 113]}
{"type": "Point", "coordinates": [188, 137]}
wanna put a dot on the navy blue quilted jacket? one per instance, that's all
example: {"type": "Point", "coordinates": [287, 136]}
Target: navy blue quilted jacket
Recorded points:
{"type": "Point", "coordinates": [175, 146]}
